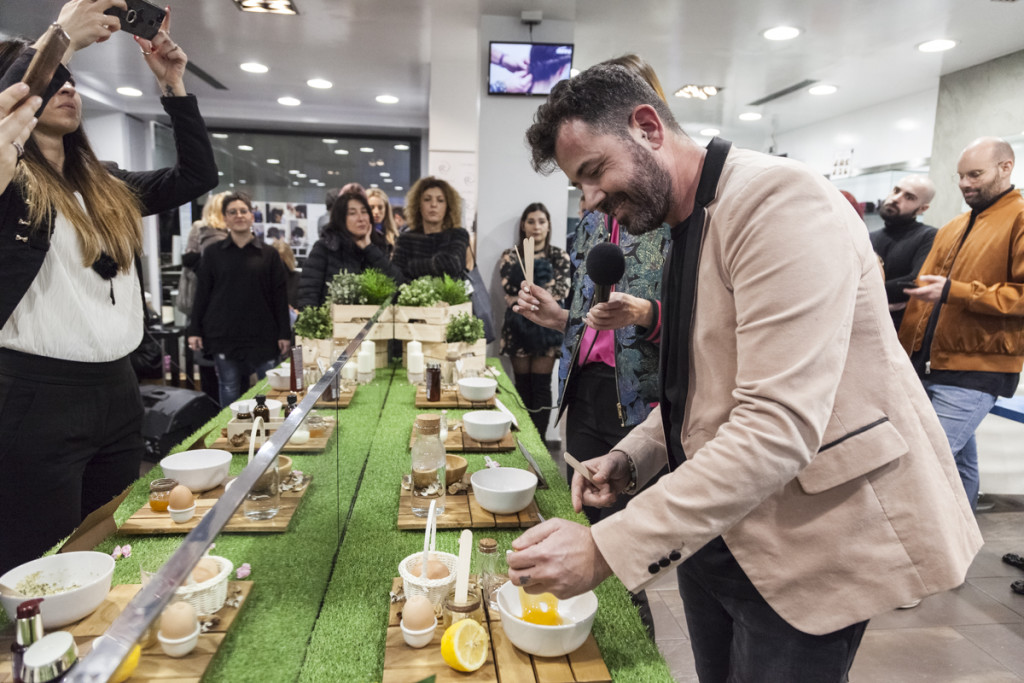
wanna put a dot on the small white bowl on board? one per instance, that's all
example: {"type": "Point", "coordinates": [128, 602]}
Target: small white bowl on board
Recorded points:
{"type": "Point", "coordinates": [503, 490]}
{"type": "Point", "coordinates": [477, 389]}
{"type": "Point", "coordinates": [486, 426]}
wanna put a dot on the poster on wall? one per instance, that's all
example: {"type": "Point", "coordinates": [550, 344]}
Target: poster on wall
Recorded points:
{"type": "Point", "coordinates": [283, 221]}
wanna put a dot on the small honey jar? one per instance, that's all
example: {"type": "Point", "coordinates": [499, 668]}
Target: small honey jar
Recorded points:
{"type": "Point", "coordinates": [160, 493]}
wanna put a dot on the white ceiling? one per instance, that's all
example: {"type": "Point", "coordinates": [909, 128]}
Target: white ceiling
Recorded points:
{"type": "Point", "coordinates": [370, 47]}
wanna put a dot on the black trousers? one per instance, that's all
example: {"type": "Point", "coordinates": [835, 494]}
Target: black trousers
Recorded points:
{"type": "Point", "coordinates": [70, 441]}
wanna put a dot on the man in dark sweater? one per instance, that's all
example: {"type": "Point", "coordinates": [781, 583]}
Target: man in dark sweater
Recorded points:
{"type": "Point", "coordinates": [904, 242]}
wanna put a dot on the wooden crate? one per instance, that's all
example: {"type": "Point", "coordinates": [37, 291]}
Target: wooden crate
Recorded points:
{"type": "Point", "coordinates": [154, 665]}
{"type": "Point", "coordinates": [434, 315]}
{"type": "Point", "coordinates": [146, 522]}
{"type": "Point", "coordinates": [461, 511]}
{"type": "Point", "coordinates": [356, 313]}
{"type": "Point", "coordinates": [506, 664]}
{"type": "Point", "coordinates": [345, 331]}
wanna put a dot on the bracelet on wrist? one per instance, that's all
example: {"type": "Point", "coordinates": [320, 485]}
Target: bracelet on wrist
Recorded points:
{"type": "Point", "coordinates": [631, 488]}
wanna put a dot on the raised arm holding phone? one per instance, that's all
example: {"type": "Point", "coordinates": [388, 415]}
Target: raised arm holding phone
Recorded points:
{"type": "Point", "coordinates": [71, 307]}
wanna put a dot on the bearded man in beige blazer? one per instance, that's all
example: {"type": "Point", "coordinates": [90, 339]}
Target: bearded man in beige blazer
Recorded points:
{"type": "Point", "coordinates": [811, 485]}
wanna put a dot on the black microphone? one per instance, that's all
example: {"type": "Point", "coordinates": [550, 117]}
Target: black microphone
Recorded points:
{"type": "Point", "coordinates": [605, 266]}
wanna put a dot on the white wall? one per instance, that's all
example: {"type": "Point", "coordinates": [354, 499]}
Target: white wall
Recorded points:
{"type": "Point", "coordinates": [896, 131]}
{"type": "Point", "coordinates": [507, 182]}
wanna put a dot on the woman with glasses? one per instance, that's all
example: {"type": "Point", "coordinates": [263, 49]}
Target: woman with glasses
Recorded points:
{"type": "Point", "coordinates": [240, 314]}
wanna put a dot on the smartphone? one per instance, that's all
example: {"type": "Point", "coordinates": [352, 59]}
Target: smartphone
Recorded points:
{"type": "Point", "coordinates": [908, 284]}
{"type": "Point", "coordinates": [142, 18]}
{"type": "Point", "coordinates": [52, 47]}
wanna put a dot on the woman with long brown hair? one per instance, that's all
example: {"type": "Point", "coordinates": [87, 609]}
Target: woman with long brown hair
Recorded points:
{"type": "Point", "coordinates": [71, 308]}
{"type": "Point", "coordinates": [434, 244]}
{"type": "Point", "coordinates": [383, 218]}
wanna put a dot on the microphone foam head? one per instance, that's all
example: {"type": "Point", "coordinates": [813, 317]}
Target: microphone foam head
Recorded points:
{"type": "Point", "coordinates": [606, 264]}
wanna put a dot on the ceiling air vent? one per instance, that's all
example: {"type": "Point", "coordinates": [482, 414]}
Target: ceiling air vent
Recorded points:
{"type": "Point", "coordinates": [782, 93]}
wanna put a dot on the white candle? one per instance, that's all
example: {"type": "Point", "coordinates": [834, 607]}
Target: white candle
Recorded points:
{"type": "Point", "coordinates": [365, 362]}
{"type": "Point", "coordinates": [414, 347]}
{"type": "Point", "coordinates": [368, 346]}
{"type": "Point", "coordinates": [415, 362]}
{"type": "Point", "coordinates": [348, 371]}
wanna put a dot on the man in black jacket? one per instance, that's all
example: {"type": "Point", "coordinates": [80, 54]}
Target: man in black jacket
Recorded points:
{"type": "Point", "coordinates": [904, 242]}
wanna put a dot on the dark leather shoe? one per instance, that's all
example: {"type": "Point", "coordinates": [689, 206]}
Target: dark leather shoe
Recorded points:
{"type": "Point", "coordinates": [1014, 559]}
{"type": "Point", "coordinates": [1018, 586]}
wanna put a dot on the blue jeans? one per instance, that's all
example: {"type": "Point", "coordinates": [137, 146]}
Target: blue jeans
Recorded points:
{"type": "Point", "coordinates": [738, 638]}
{"type": "Point", "coordinates": [231, 374]}
{"type": "Point", "coordinates": [960, 412]}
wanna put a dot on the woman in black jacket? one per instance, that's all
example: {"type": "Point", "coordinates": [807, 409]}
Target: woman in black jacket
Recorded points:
{"type": "Point", "coordinates": [349, 243]}
{"type": "Point", "coordinates": [71, 307]}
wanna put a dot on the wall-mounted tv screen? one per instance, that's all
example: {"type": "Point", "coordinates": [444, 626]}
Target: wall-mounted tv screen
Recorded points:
{"type": "Point", "coordinates": [527, 68]}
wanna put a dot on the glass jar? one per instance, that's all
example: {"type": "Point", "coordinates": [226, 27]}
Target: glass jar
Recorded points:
{"type": "Point", "coordinates": [264, 498]}
{"type": "Point", "coordinates": [449, 370]}
{"type": "Point", "coordinates": [428, 462]}
{"type": "Point", "coordinates": [433, 382]}
{"type": "Point", "coordinates": [490, 570]}
{"type": "Point", "coordinates": [160, 494]}
{"type": "Point", "coordinates": [261, 409]}
{"type": "Point", "coordinates": [453, 611]}
{"type": "Point", "coordinates": [316, 424]}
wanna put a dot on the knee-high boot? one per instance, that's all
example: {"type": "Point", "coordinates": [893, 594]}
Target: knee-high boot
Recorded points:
{"type": "Point", "coordinates": [524, 385]}
{"type": "Point", "coordinates": [541, 403]}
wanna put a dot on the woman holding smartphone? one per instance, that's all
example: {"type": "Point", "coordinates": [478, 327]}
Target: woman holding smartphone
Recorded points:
{"type": "Point", "coordinates": [71, 308]}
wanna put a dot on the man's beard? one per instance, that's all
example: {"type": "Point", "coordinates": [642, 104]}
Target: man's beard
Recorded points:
{"type": "Point", "coordinates": [648, 197]}
{"type": "Point", "coordinates": [894, 217]}
{"type": "Point", "coordinates": [986, 193]}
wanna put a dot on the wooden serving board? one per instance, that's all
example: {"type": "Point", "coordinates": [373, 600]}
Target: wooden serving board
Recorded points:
{"type": "Point", "coordinates": [461, 511]}
{"type": "Point", "coordinates": [460, 442]}
{"type": "Point", "coordinates": [505, 663]}
{"type": "Point", "coordinates": [311, 446]}
{"type": "Point", "coordinates": [451, 398]}
{"type": "Point", "coordinates": [146, 522]}
{"type": "Point", "coordinates": [154, 665]}
{"type": "Point", "coordinates": [344, 399]}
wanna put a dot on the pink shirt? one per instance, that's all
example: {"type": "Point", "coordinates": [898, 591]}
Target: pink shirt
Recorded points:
{"type": "Point", "coordinates": [603, 350]}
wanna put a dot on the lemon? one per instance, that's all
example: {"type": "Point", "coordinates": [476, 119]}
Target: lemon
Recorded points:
{"type": "Point", "coordinates": [124, 672]}
{"type": "Point", "coordinates": [464, 645]}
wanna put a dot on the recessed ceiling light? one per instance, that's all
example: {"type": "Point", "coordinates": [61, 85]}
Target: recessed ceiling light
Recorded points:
{"type": "Point", "coordinates": [368, 150]}
{"type": "Point", "coordinates": [374, 185]}
{"type": "Point", "coordinates": [710, 132]}
{"type": "Point", "coordinates": [385, 174]}
{"type": "Point", "coordinates": [388, 180]}
{"type": "Point", "coordinates": [242, 182]}
{"type": "Point", "coordinates": [220, 136]}
{"type": "Point", "coordinates": [387, 99]}
{"type": "Point", "coordinates": [220, 172]}
{"type": "Point", "coordinates": [293, 172]}
{"type": "Point", "coordinates": [295, 182]}
{"type": "Point", "coordinates": [781, 33]}
{"type": "Point", "coordinates": [698, 92]}
{"type": "Point", "coordinates": [329, 141]}
{"type": "Point", "coordinates": [254, 67]}
{"type": "Point", "coordinates": [273, 161]}
{"type": "Point", "coordinates": [399, 187]}
{"type": "Point", "coordinates": [341, 151]}
{"type": "Point", "coordinates": [128, 91]}
{"type": "Point", "coordinates": [289, 101]}
{"type": "Point", "coordinates": [267, 6]}
{"type": "Point", "coordinates": [245, 148]}
{"type": "Point", "coordinates": [301, 175]}
{"type": "Point", "coordinates": [231, 184]}
{"type": "Point", "coordinates": [750, 116]}
{"type": "Point", "coordinates": [319, 83]}
{"type": "Point", "coordinates": [314, 181]}
{"type": "Point", "coordinates": [939, 45]}
{"type": "Point", "coordinates": [823, 89]}
{"type": "Point", "coordinates": [401, 147]}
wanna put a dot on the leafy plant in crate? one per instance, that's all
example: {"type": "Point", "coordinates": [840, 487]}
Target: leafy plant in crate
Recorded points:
{"type": "Point", "coordinates": [345, 288]}
{"type": "Point", "coordinates": [314, 322]}
{"type": "Point", "coordinates": [419, 292]}
{"type": "Point", "coordinates": [464, 327]}
{"type": "Point", "coordinates": [375, 287]}
{"type": "Point", "coordinates": [451, 291]}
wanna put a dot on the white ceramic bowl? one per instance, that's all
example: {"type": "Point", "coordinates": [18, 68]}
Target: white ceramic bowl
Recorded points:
{"type": "Point", "coordinates": [180, 646]}
{"type": "Point", "coordinates": [250, 403]}
{"type": "Point", "coordinates": [477, 388]}
{"type": "Point", "coordinates": [280, 378]}
{"type": "Point", "coordinates": [199, 470]}
{"type": "Point", "coordinates": [503, 490]}
{"type": "Point", "coordinates": [90, 571]}
{"type": "Point", "coordinates": [418, 638]}
{"type": "Point", "coordinates": [183, 515]}
{"type": "Point", "coordinates": [486, 425]}
{"type": "Point", "coordinates": [547, 641]}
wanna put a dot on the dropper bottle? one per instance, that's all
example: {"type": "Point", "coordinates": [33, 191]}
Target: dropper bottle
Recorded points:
{"type": "Point", "coordinates": [28, 628]}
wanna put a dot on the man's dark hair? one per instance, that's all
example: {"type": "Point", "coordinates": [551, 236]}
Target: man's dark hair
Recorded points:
{"type": "Point", "coordinates": [329, 200]}
{"type": "Point", "coordinates": [237, 197]}
{"type": "Point", "coordinates": [604, 96]}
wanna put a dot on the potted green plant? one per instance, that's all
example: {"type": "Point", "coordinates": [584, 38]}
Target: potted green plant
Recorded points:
{"type": "Point", "coordinates": [314, 333]}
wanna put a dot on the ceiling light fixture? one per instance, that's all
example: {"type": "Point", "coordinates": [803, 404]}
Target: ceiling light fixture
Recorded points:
{"type": "Point", "coordinates": [245, 148]}
{"type": "Point", "coordinates": [220, 136]}
{"type": "Point", "coordinates": [399, 187]}
{"type": "Point", "coordinates": [710, 132]}
{"type": "Point", "coordinates": [329, 141]}
{"type": "Point", "coordinates": [938, 45]}
{"type": "Point", "coordinates": [374, 185]}
{"type": "Point", "coordinates": [301, 175]}
{"type": "Point", "coordinates": [273, 161]}
{"type": "Point", "coordinates": [267, 6]}
{"type": "Point", "coordinates": [254, 67]}
{"type": "Point", "coordinates": [698, 92]}
{"type": "Point", "coordinates": [387, 99]}
{"type": "Point", "coordinates": [368, 150]}
{"type": "Point", "coordinates": [341, 151]}
{"type": "Point", "coordinates": [319, 83]}
{"type": "Point", "coordinates": [781, 33]}
{"type": "Point", "coordinates": [293, 172]}
{"type": "Point", "coordinates": [289, 101]}
{"type": "Point", "coordinates": [388, 180]}
{"type": "Point", "coordinates": [129, 91]}
{"type": "Point", "coordinates": [750, 116]}
{"type": "Point", "coordinates": [402, 147]}
{"type": "Point", "coordinates": [823, 89]}
{"type": "Point", "coordinates": [385, 174]}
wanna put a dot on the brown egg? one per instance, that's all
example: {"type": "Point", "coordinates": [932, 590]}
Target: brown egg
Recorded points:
{"type": "Point", "coordinates": [205, 569]}
{"type": "Point", "coordinates": [178, 621]}
{"type": "Point", "coordinates": [180, 498]}
{"type": "Point", "coordinates": [418, 613]}
{"type": "Point", "coordinates": [435, 569]}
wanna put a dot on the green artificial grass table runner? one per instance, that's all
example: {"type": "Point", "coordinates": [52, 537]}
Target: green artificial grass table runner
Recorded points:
{"type": "Point", "coordinates": [319, 606]}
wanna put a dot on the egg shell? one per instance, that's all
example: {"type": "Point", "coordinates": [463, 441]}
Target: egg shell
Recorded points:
{"type": "Point", "coordinates": [180, 498]}
{"type": "Point", "coordinates": [178, 621]}
{"type": "Point", "coordinates": [418, 613]}
{"type": "Point", "coordinates": [205, 569]}
{"type": "Point", "coordinates": [435, 569]}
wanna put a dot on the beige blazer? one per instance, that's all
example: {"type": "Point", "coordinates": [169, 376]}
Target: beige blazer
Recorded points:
{"type": "Point", "coordinates": [812, 447]}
